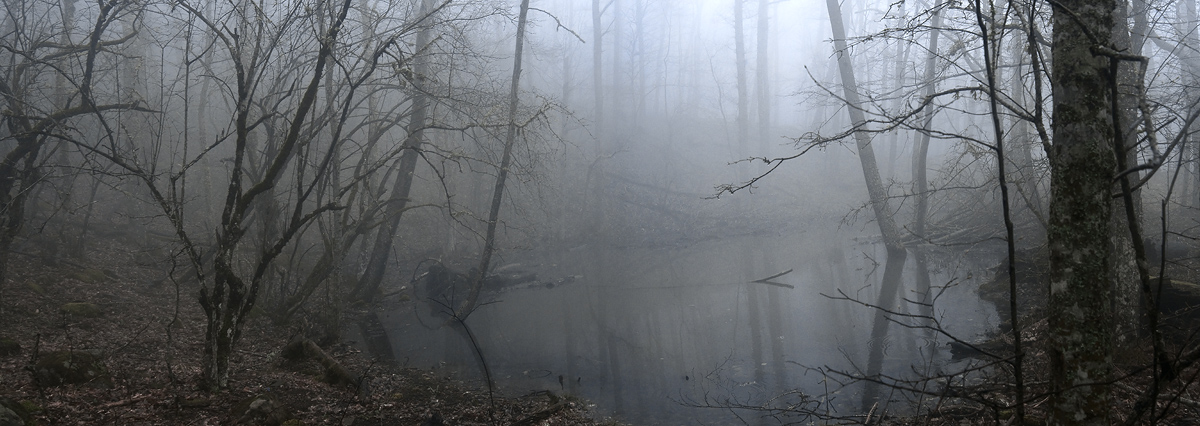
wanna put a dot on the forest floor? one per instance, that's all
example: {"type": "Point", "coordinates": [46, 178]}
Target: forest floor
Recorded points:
{"type": "Point", "coordinates": [988, 398]}
{"type": "Point", "coordinates": [149, 334]}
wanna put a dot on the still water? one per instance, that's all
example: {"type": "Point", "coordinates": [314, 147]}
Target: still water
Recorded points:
{"type": "Point", "coordinates": [646, 334]}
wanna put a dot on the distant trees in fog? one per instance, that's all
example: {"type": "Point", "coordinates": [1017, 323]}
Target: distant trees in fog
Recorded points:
{"type": "Point", "coordinates": [309, 149]}
{"type": "Point", "coordinates": [1076, 79]}
{"type": "Point", "coordinates": [272, 138]}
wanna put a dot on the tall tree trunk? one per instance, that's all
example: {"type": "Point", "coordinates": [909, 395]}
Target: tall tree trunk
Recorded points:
{"type": "Point", "coordinates": [896, 253]}
{"type": "Point", "coordinates": [27, 127]}
{"type": "Point", "coordinates": [753, 296]}
{"type": "Point", "coordinates": [619, 103]}
{"type": "Point", "coordinates": [1189, 42]}
{"type": "Point", "coordinates": [763, 98]}
{"type": "Point", "coordinates": [75, 241]}
{"type": "Point", "coordinates": [898, 80]}
{"type": "Point", "coordinates": [1126, 274]}
{"type": "Point", "coordinates": [227, 303]}
{"type": "Point", "coordinates": [510, 139]}
{"type": "Point", "coordinates": [1019, 152]}
{"type": "Point", "coordinates": [1082, 163]}
{"type": "Point", "coordinates": [368, 283]}
{"type": "Point", "coordinates": [762, 92]}
{"type": "Point", "coordinates": [598, 71]}
{"type": "Point", "coordinates": [989, 41]}
{"type": "Point", "coordinates": [920, 168]}
{"type": "Point", "coordinates": [639, 55]}
{"type": "Point", "coordinates": [338, 241]}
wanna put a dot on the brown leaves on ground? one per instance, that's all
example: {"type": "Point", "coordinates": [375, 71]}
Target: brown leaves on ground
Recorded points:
{"type": "Point", "coordinates": [149, 334]}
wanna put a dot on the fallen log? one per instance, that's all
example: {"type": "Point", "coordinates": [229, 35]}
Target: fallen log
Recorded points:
{"type": "Point", "coordinates": [540, 416]}
{"type": "Point", "coordinates": [334, 372]}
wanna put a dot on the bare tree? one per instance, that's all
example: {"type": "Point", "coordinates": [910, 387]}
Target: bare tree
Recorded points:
{"type": "Point", "coordinates": [39, 52]}
{"type": "Point", "coordinates": [892, 240]}
{"type": "Point", "coordinates": [510, 139]}
{"type": "Point", "coordinates": [253, 48]}
{"type": "Point", "coordinates": [368, 284]}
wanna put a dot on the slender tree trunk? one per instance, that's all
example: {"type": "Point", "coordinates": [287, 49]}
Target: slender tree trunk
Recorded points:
{"type": "Point", "coordinates": [510, 139]}
{"type": "Point", "coordinates": [1123, 257]}
{"type": "Point", "coordinates": [1019, 153]}
{"type": "Point", "coordinates": [989, 42]}
{"type": "Point", "coordinates": [898, 79]}
{"type": "Point", "coordinates": [76, 242]}
{"type": "Point", "coordinates": [763, 98]}
{"type": "Point", "coordinates": [208, 185]}
{"type": "Point", "coordinates": [19, 166]}
{"type": "Point", "coordinates": [18, 173]}
{"type": "Point", "coordinates": [229, 300]}
{"type": "Point", "coordinates": [1189, 42]}
{"type": "Point", "coordinates": [743, 94]}
{"type": "Point", "coordinates": [762, 90]}
{"type": "Point", "coordinates": [639, 55]}
{"type": "Point", "coordinates": [87, 217]}
{"type": "Point", "coordinates": [595, 183]}
{"type": "Point", "coordinates": [920, 160]}
{"type": "Point", "coordinates": [564, 221]}
{"type": "Point", "coordinates": [1082, 161]}
{"type": "Point", "coordinates": [896, 253]}
{"type": "Point", "coordinates": [597, 70]}
{"type": "Point", "coordinates": [368, 283]}
{"type": "Point", "coordinates": [753, 295]}
{"type": "Point", "coordinates": [619, 103]}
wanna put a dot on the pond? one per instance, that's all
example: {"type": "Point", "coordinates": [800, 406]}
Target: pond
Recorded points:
{"type": "Point", "coordinates": [647, 334]}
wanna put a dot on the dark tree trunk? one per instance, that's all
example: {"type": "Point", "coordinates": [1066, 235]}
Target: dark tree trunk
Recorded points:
{"type": "Point", "coordinates": [29, 124]}
{"type": "Point", "coordinates": [368, 284]}
{"type": "Point", "coordinates": [229, 299]}
{"type": "Point", "coordinates": [1128, 275]}
{"type": "Point", "coordinates": [1082, 164]}
{"type": "Point", "coordinates": [510, 139]}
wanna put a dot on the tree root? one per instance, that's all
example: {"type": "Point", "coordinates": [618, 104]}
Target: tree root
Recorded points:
{"type": "Point", "coordinates": [334, 372]}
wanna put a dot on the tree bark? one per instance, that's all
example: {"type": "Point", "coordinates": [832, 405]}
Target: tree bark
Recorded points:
{"type": "Point", "coordinates": [920, 168]}
{"type": "Point", "coordinates": [29, 124]}
{"type": "Point", "coordinates": [988, 42]}
{"type": "Point", "coordinates": [896, 253]}
{"type": "Point", "coordinates": [1082, 163]}
{"type": "Point", "coordinates": [231, 297]}
{"type": "Point", "coordinates": [1186, 51]}
{"type": "Point", "coordinates": [368, 283]}
{"type": "Point", "coordinates": [1018, 152]}
{"type": "Point", "coordinates": [1127, 275]}
{"type": "Point", "coordinates": [510, 139]}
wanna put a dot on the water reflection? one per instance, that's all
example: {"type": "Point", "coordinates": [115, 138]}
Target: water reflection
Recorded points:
{"type": "Point", "coordinates": [639, 330]}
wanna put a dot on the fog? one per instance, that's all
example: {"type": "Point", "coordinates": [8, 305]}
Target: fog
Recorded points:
{"type": "Point", "coordinates": [644, 301]}
{"type": "Point", "coordinates": [648, 333]}
{"type": "Point", "coordinates": [668, 214]}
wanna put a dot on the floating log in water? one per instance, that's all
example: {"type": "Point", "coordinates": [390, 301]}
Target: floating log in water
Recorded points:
{"type": "Point", "coordinates": [768, 281]}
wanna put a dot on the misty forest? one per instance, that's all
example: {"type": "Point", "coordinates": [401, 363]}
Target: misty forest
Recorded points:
{"type": "Point", "coordinates": [584, 212]}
